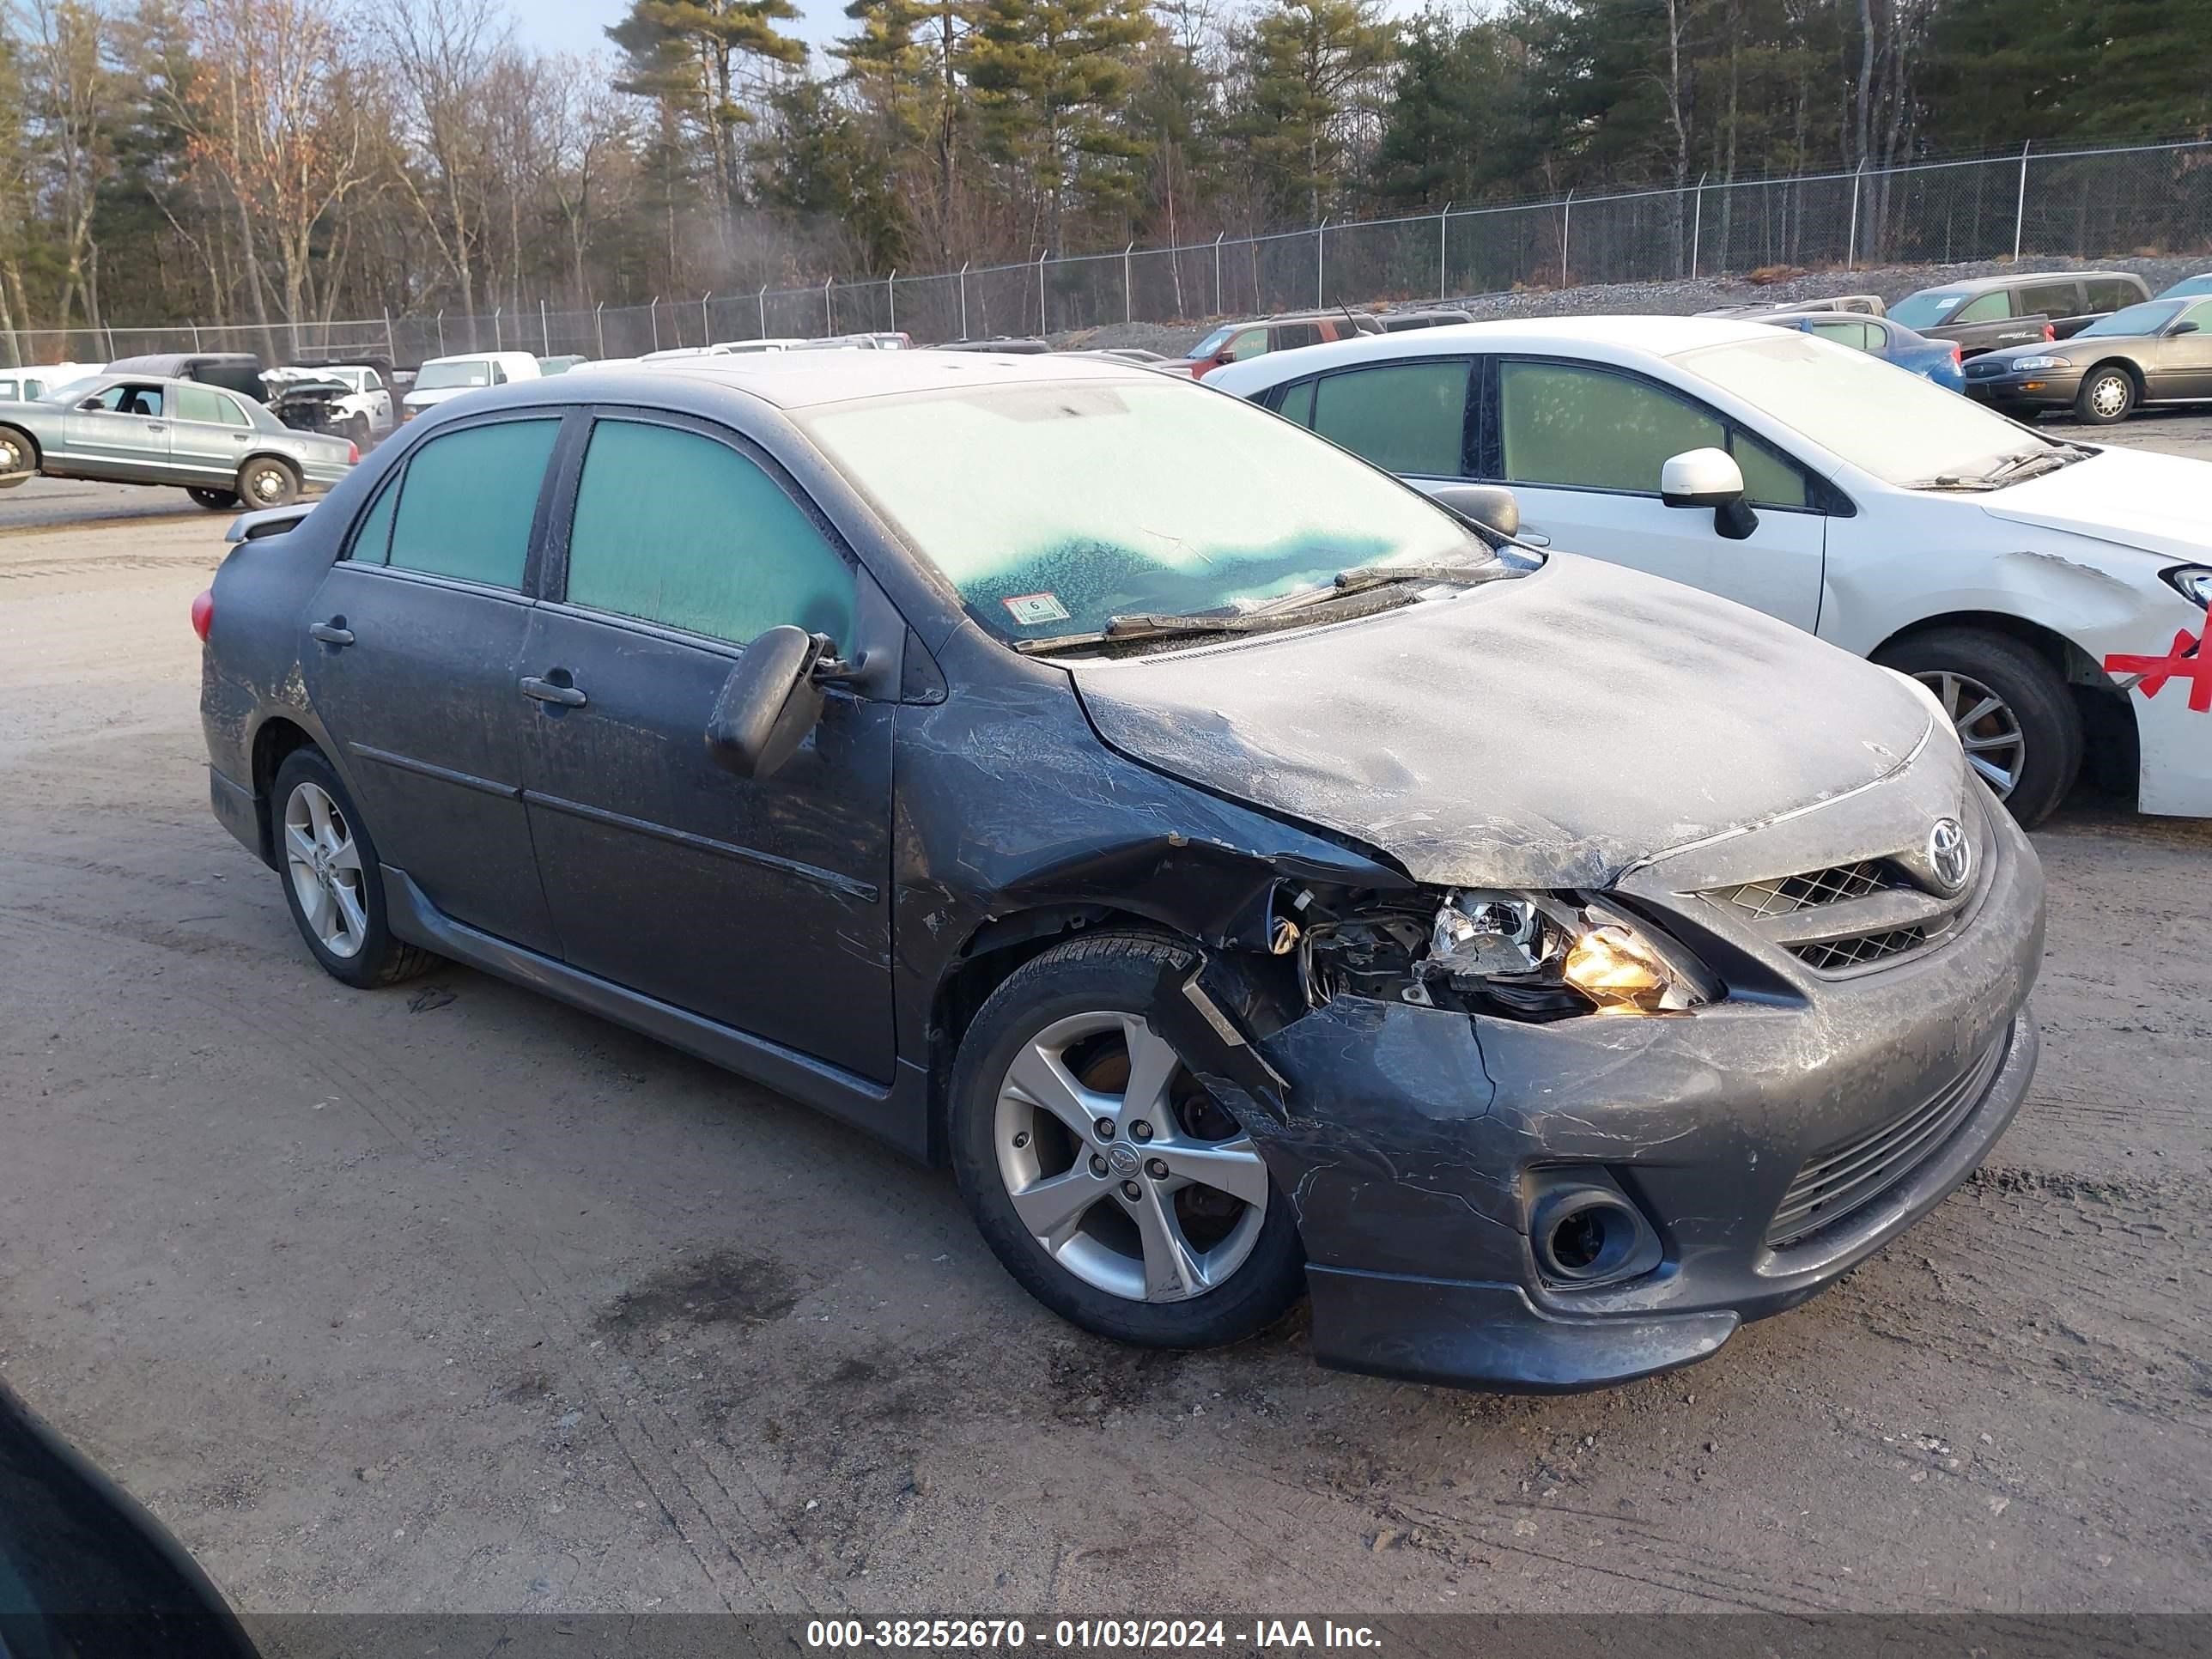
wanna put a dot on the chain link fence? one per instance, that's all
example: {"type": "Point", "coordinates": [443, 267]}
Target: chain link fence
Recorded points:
{"type": "Point", "coordinates": [2144, 200]}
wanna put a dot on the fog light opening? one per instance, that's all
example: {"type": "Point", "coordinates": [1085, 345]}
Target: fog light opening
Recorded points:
{"type": "Point", "coordinates": [1586, 1236]}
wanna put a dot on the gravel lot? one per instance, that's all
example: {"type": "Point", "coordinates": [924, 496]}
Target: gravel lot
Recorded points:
{"type": "Point", "coordinates": [449, 1297]}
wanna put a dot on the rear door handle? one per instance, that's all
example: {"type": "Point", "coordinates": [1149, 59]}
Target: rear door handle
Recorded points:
{"type": "Point", "coordinates": [547, 691]}
{"type": "Point", "coordinates": [333, 632]}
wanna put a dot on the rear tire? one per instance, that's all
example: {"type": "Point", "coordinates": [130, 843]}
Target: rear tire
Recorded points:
{"type": "Point", "coordinates": [2026, 747]}
{"type": "Point", "coordinates": [216, 501]}
{"type": "Point", "coordinates": [333, 884]}
{"type": "Point", "coordinates": [1206, 1250]}
{"type": "Point", "coordinates": [268, 480]}
{"type": "Point", "coordinates": [2108, 395]}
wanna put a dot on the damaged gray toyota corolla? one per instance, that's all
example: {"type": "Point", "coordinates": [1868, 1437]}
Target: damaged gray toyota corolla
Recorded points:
{"type": "Point", "coordinates": [1250, 877]}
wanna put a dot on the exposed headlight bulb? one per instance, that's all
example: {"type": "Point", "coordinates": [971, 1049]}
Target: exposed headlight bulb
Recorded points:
{"type": "Point", "coordinates": [1484, 934]}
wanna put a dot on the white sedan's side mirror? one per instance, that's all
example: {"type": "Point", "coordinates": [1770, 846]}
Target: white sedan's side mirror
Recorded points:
{"type": "Point", "coordinates": [1709, 477]}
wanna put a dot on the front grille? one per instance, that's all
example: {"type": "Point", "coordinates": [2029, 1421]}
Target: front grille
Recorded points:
{"type": "Point", "coordinates": [1830, 955]}
{"type": "Point", "coordinates": [1846, 1178]}
{"type": "Point", "coordinates": [1784, 894]}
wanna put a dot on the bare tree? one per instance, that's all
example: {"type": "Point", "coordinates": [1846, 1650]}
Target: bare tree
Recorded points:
{"type": "Point", "coordinates": [442, 52]}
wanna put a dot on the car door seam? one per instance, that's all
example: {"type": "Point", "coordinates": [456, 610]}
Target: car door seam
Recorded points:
{"type": "Point", "coordinates": [443, 773]}
{"type": "Point", "coordinates": [866, 891]}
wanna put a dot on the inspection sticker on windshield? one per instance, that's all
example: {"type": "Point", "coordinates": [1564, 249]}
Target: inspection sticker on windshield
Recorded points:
{"type": "Point", "coordinates": [1031, 609]}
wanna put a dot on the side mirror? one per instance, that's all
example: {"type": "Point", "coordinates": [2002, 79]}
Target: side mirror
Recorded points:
{"type": "Point", "coordinates": [2185, 328]}
{"type": "Point", "coordinates": [1491, 506]}
{"type": "Point", "coordinates": [1709, 477]}
{"type": "Point", "coordinates": [768, 705]}
{"type": "Point", "coordinates": [92, 403]}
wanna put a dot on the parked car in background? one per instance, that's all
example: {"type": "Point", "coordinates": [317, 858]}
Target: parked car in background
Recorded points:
{"type": "Point", "coordinates": [233, 371]}
{"type": "Point", "coordinates": [2157, 352]}
{"type": "Point", "coordinates": [443, 378]}
{"type": "Point", "coordinates": [1858, 305]}
{"type": "Point", "coordinates": [1237, 343]}
{"type": "Point", "coordinates": [1998, 566]}
{"type": "Point", "coordinates": [221, 447]}
{"type": "Point", "coordinates": [1024, 348]}
{"type": "Point", "coordinates": [1307, 945]}
{"type": "Point", "coordinates": [350, 399]}
{"type": "Point", "coordinates": [1397, 322]}
{"type": "Point", "coordinates": [2017, 310]}
{"type": "Point", "coordinates": [35, 380]}
{"type": "Point", "coordinates": [754, 348]}
{"type": "Point", "coordinates": [1885, 337]}
{"type": "Point", "coordinates": [2188, 287]}
{"type": "Point", "coordinates": [561, 364]}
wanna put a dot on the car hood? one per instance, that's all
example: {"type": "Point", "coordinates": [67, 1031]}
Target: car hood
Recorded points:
{"type": "Point", "coordinates": [1550, 730]}
{"type": "Point", "coordinates": [2156, 502]}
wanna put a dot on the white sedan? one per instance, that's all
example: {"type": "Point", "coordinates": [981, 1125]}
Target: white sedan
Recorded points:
{"type": "Point", "coordinates": [2002, 567]}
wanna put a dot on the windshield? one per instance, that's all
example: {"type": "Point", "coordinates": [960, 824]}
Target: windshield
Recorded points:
{"type": "Point", "coordinates": [74, 391]}
{"type": "Point", "coordinates": [1926, 310]}
{"type": "Point", "coordinates": [1885, 421]}
{"type": "Point", "coordinates": [1053, 507]}
{"type": "Point", "coordinates": [2146, 318]}
{"type": "Point", "coordinates": [437, 375]}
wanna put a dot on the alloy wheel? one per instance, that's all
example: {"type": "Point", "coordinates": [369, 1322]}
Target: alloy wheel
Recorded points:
{"type": "Point", "coordinates": [1127, 1171]}
{"type": "Point", "coordinates": [324, 866]}
{"type": "Point", "coordinates": [1988, 728]}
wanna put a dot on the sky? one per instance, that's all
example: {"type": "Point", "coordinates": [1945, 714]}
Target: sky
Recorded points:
{"type": "Point", "coordinates": [576, 24]}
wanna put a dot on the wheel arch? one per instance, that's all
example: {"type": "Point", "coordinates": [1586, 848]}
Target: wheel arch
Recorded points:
{"type": "Point", "coordinates": [2134, 372]}
{"type": "Point", "coordinates": [275, 740]}
{"type": "Point", "coordinates": [2112, 742]}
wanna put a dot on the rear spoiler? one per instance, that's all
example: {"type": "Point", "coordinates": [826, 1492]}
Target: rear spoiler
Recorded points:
{"type": "Point", "coordinates": [269, 521]}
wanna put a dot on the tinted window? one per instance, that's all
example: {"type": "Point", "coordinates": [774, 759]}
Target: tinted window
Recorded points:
{"type": "Point", "coordinates": [1297, 404]}
{"type": "Point", "coordinates": [467, 501]}
{"type": "Point", "coordinates": [371, 542]}
{"type": "Point", "coordinates": [1991, 308]}
{"type": "Point", "coordinates": [2050, 299]}
{"type": "Point", "coordinates": [1291, 335]}
{"type": "Point", "coordinates": [1404, 417]}
{"type": "Point", "coordinates": [2110, 296]}
{"type": "Point", "coordinates": [196, 403]}
{"type": "Point", "coordinates": [1590, 428]}
{"type": "Point", "coordinates": [1768, 479]}
{"type": "Point", "coordinates": [673, 527]}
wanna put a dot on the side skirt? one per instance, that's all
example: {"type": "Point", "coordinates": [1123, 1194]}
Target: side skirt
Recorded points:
{"type": "Point", "coordinates": [896, 1112]}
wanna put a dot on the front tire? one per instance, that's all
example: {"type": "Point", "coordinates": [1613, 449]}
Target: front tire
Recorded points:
{"type": "Point", "coordinates": [19, 456]}
{"type": "Point", "coordinates": [216, 501]}
{"type": "Point", "coordinates": [2017, 723]}
{"type": "Point", "coordinates": [332, 882]}
{"type": "Point", "coordinates": [2108, 395]}
{"type": "Point", "coordinates": [1116, 1190]}
{"type": "Point", "coordinates": [266, 481]}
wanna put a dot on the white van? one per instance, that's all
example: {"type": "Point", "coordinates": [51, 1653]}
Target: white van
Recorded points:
{"type": "Point", "coordinates": [26, 385]}
{"type": "Point", "coordinates": [448, 377]}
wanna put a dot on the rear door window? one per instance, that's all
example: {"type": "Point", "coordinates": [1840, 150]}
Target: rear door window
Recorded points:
{"type": "Point", "coordinates": [1291, 335]}
{"type": "Point", "coordinates": [1848, 330]}
{"type": "Point", "coordinates": [197, 403]}
{"type": "Point", "coordinates": [674, 528]}
{"type": "Point", "coordinates": [2109, 295]}
{"type": "Point", "coordinates": [2049, 299]}
{"type": "Point", "coordinates": [468, 500]}
{"type": "Point", "coordinates": [1404, 417]}
{"type": "Point", "coordinates": [1297, 404]}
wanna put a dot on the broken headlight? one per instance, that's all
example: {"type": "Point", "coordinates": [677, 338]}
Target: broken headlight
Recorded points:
{"type": "Point", "coordinates": [1524, 955]}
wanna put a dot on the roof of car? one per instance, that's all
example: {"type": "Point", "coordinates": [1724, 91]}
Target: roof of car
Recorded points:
{"type": "Point", "coordinates": [800, 379]}
{"type": "Point", "coordinates": [1617, 337]}
{"type": "Point", "coordinates": [2023, 278]}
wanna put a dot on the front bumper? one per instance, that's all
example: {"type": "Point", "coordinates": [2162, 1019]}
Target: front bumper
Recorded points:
{"type": "Point", "coordinates": [1414, 1138]}
{"type": "Point", "coordinates": [2045, 389]}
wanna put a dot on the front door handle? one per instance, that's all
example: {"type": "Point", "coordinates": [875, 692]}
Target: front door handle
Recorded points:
{"type": "Point", "coordinates": [551, 691]}
{"type": "Point", "coordinates": [333, 632]}
{"type": "Point", "coordinates": [1534, 537]}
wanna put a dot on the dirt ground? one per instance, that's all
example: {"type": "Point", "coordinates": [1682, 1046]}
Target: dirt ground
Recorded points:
{"type": "Point", "coordinates": [451, 1298]}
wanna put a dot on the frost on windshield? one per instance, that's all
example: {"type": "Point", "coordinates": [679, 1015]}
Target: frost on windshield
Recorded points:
{"type": "Point", "coordinates": [1111, 498]}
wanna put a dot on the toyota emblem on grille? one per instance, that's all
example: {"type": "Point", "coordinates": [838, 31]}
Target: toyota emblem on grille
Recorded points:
{"type": "Point", "coordinates": [1948, 855]}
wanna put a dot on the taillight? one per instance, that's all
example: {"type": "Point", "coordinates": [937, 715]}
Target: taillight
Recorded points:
{"type": "Point", "coordinates": [2049, 332]}
{"type": "Point", "coordinates": [1957, 354]}
{"type": "Point", "coordinates": [353, 455]}
{"type": "Point", "coordinates": [204, 613]}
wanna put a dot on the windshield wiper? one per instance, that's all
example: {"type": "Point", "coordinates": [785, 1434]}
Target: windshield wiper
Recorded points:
{"type": "Point", "coordinates": [1376, 575]}
{"type": "Point", "coordinates": [2017, 466]}
{"type": "Point", "coordinates": [1162, 625]}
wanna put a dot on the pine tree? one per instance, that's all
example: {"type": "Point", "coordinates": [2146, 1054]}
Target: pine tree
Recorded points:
{"type": "Point", "coordinates": [688, 53]}
{"type": "Point", "coordinates": [1311, 63]}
